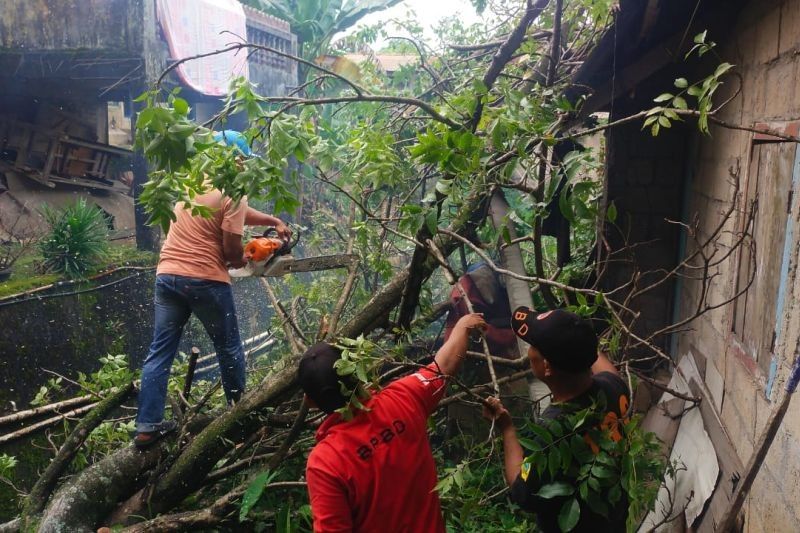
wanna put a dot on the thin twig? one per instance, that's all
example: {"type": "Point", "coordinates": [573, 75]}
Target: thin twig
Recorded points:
{"type": "Point", "coordinates": [451, 278]}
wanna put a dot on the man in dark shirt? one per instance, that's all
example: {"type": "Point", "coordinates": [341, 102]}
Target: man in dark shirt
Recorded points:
{"type": "Point", "coordinates": [563, 354]}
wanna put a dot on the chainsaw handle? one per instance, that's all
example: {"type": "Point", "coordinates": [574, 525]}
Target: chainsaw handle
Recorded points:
{"type": "Point", "coordinates": [272, 231]}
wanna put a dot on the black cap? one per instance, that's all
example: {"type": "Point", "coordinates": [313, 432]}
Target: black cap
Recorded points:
{"type": "Point", "coordinates": [318, 377]}
{"type": "Point", "coordinates": [567, 341]}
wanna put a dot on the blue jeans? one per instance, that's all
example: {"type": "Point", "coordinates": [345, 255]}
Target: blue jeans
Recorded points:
{"type": "Point", "coordinates": [176, 298]}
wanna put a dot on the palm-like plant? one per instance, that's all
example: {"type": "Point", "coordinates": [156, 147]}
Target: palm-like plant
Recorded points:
{"type": "Point", "coordinates": [78, 238]}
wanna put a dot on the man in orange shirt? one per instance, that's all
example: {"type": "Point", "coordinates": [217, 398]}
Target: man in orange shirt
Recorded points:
{"type": "Point", "coordinates": [192, 277]}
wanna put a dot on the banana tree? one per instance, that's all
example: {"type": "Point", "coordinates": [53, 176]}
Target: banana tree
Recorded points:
{"type": "Point", "coordinates": [315, 22]}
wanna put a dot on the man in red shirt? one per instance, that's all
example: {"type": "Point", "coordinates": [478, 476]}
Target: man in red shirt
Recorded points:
{"type": "Point", "coordinates": [375, 472]}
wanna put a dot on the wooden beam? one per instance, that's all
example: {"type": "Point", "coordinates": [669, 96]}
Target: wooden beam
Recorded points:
{"type": "Point", "coordinates": [91, 184]}
{"type": "Point", "coordinates": [9, 169]}
{"type": "Point", "coordinates": [730, 466]}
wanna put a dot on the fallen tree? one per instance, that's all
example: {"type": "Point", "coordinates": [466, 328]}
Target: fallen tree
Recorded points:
{"type": "Point", "coordinates": [418, 174]}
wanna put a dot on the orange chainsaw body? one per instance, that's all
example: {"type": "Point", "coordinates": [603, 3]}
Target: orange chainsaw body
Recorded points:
{"type": "Point", "coordinates": [262, 248]}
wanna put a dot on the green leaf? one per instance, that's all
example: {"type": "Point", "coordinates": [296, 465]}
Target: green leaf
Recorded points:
{"type": "Point", "coordinates": [700, 37]}
{"type": "Point", "coordinates": [679, 103]}
{"type": "Point", "coordinates": [283, 520]}
{"type": "Point", "coordinates": [444, 485]}
{"type": "Point", "coordinates": [565, 206]}
{"type": "Point", "coordinates": [553, 490]}
{"type": "Point", "coordinates": [583, 490]}
{"type": "Point", "coordinates": [664, 121]}
{"type": "Point", "coordinates": [432, 221]}
{"type": "Point", "coordinates": [611, 212]}
{"type": "Point", "coordinates": [458, 477]}
{"type": "Point", "coordinates": [542, 433]}
{"type": "Point", "coordinates": [569, 515]}
{"type": "Point", "coordinates": [444, 186]}
{"type": "Point", "coordinates": [181, 106]}
{"type": "Point", "coordinates": [681, 83]}
{"type": "Point", "coordinates": [479, 87]}
{"type": "Point", "coordinates": [614, 494]}
{"type": "Point", "coordinates": [722, 69]}
{"type": "Point", "coordinates": [553, 461]}
{"type": "Point", "coordinates": [529, 444]}
{"type": "Point", "coordinates": [581, 298]}
{"type": "Point", "coordinates": [253, 493]}
{"type": "Point", "coordinates": [602, 472]}
{"type": "Point", "coordinates": [506, 234]}
{"type": "Point", "coordinates": [663, 97]}
{"type": "Point", "coordinates": [566, 455]}
{"type": "Point", "coordinates": [695, 90]}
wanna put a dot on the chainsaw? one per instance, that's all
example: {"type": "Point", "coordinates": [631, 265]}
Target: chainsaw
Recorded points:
{"type": "Point", "coordinates": [270, 256]}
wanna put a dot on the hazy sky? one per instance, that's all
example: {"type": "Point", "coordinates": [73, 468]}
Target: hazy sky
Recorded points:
{"type": "Point", "coordinates": [429, 12]}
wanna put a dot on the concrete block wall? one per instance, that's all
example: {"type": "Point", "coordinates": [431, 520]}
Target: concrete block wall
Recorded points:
{"type": "Point", "coordinates": [765, 46]}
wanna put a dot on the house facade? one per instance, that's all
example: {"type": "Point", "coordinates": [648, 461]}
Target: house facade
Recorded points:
{"type": "Point", "coordinates": [734, 191]}
{"type": "Point", "coordinates": [69, 72]}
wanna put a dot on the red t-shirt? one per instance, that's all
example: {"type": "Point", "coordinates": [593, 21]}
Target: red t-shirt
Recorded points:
{"type": "Point", "coordinates": [375, 473]}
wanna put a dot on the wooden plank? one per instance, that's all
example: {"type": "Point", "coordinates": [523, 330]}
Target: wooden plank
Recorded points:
{"type": "Point", "coordinates": [730, 466]}
{"type": "Point", "coordinates": [51, 154]}
{"type": "Point", "coordinates": [24, 146]}
{"type": "Point", "coordinates": [8, 169]}
{"type": "Point", "coordinates": [49, 132]}
{"type": "Point", "coordinates": [96, 146]}
{"type": "Point", "coordinates": [91, 184]}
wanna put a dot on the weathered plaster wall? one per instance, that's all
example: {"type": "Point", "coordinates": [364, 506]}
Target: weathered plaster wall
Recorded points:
{"type": "Point", "coordinates": [68, 24]}
{"type": "Point", "coordinates": [765, 48]}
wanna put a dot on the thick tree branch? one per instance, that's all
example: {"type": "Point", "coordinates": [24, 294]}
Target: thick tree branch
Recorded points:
{"type": "Point", "coordinates": [506, 52]}
{"type": "Point", "coordinates": [36, 500]}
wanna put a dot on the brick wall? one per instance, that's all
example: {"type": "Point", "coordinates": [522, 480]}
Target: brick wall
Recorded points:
{"type": "Point", "coordinates": [682, 175]}
{"type": "Point", "coordinates": [764, 45]}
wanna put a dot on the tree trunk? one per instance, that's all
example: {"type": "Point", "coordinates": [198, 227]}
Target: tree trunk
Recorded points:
{"type": "Point", "coordinates": [519, 292]}
{"type": "Point", "coordinates": [86, 499]}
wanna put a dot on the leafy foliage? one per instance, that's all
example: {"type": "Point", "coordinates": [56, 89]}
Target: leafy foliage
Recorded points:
{"type": "Point", "coordinates": [359, 364]}
{"type": "Point", "coordinates": [190, 162]}
{"type": "Point", "coordinates": [7, 465]}
{"type": "Point", "coordinates": [590, 463]}
{"type": "Point", "coordinates": [473, 496]}
{"type": "Point", "coordinates": [114, 372]}
{"type": "Point", "coordinates": [703, 91]}
{"type": "Point", "coordinates": [78, 238]}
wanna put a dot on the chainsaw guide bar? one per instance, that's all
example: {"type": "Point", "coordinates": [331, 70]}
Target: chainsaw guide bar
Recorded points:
{"type": "Point", "coordinates": [287, 264]}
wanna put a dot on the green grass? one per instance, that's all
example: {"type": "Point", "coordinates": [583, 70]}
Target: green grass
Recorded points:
{"type": "Point", "coordinates": [26, 274]}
